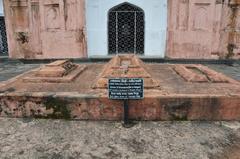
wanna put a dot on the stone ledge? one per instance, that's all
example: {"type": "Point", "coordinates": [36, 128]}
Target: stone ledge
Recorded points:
{"type": "Point", "coordinates": [176, 99]}
{"type": "Point", "coordinates": [97, 107]}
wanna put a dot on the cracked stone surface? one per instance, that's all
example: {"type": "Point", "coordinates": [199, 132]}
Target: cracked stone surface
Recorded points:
{"type": "Point", "coordinates": [56, 139]}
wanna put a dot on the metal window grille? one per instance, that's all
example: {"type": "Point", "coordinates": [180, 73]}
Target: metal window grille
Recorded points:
{"type": "Point", "coordinates": [126, 29]}
{"type": "Point", "coordinates": [3, 38]}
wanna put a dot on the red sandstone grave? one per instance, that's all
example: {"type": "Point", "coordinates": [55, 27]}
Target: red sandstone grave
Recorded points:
{"type": "Point", "coordinates": [172, 92]}
{"type": "Point", "coordinates": [125, 67]}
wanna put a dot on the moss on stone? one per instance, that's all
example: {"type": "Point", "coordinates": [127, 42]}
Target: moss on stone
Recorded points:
{"type": "Point", "coordinates": [59, 107]}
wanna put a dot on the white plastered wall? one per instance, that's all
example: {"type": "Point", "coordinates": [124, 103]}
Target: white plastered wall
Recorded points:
{"type": "Point", "coordinates": [1, 8]}
{"type": "Point", "coordinates": [155, 25]}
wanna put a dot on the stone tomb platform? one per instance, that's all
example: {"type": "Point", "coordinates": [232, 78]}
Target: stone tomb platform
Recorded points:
{"type": "Point", "coordinates": [71, 91]}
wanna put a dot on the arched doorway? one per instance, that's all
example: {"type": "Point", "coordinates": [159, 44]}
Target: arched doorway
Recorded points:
{"type": "Point", "coordinates": [126, 29]}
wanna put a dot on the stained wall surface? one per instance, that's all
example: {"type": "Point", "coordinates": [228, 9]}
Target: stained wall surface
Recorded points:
{"type": "Point", "coordinates": [203, 29]}
{"type": "Point", "coordinates": [187, 29]}
{"type": "Point", "coordinates": [230, 32]}
{"type": "Point", "coordinates": [46, 28]}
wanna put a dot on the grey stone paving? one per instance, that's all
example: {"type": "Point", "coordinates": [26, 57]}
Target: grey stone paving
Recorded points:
{"type": "Point", "coordinates": [57, 139]}
{"type": "Point", "coordinates": [231, 71]}
{"type": "Point", "coordinates": [11, 69]}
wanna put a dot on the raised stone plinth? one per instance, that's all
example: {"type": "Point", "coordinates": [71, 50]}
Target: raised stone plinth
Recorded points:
{"type": "Point", "coordinates": [125, 66]}
{"type": "Point", "coordinates": [200, 73]}
{"type": "Point", "coordinates": [56, 72]}
{"type": "Point", "coordinates": [234, 2]}
{"type": "Point", "coordinates": [175, 92]}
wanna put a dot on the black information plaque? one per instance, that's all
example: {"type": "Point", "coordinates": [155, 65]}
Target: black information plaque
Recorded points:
{"type": "Point", "coordinates": [125, 88]}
